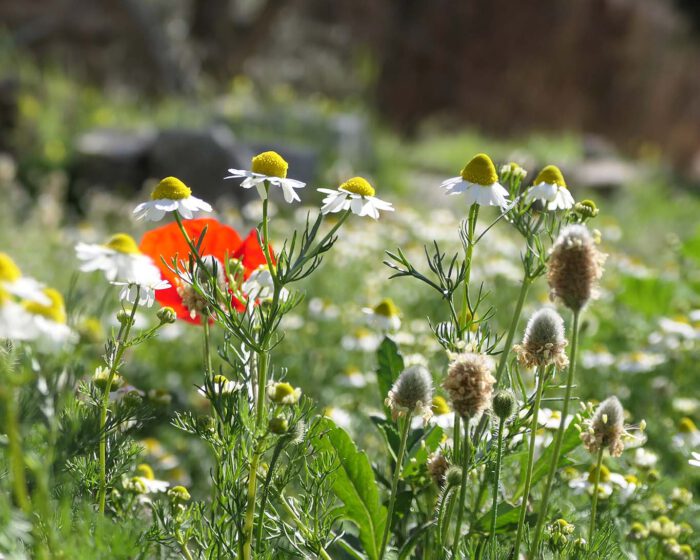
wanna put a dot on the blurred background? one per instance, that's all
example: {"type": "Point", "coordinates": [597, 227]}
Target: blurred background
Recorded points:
{"type": "Point", "coordinates": [111, 93]}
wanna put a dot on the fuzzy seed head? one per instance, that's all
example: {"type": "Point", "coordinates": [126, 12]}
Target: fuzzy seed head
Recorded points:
{"type": "Point", "coordinates": [606, 428]}
{"type": "Point", "coordinates": [544, 342]}
{"type": "Point", "coordinates": [411, 393]}
{"type": "Point", "coordinates": [575, 266]}
{"type": "Point", "coordinates": [504, 404]}
{"type": "Point", "coordinates": [469, 383]}
{"type": "Point", "coordinates": [437, 468]}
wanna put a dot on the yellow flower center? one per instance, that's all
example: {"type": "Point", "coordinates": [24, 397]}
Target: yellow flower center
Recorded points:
{"type": "Point", "coordinates": [4, 297]}
{"type": "Point", "coordinates": [220, 380]}
{"type": "Point", "coordinates": [171, 188]}
{"type": "Point", "coordinates": [271, 164]}
{"type": "Point", "coordinates": [440, 406]}
{"type": "Point", "coordinates": [282, 390]}
{"type": "Point", "coordinates": [358, 185]}
{"type": "Point", "coordinates": [9, 271]}
{"type": "Point", "coordinates": [386, 308]}
{"type": "Point", "coordinates": [56, 310]}
{"type": "Point", "coordinates": [687, 426]}
{"type": "Point", "coordinates": [551, 175]}
{"type": "Point", "coordinates": [145, 471]}
{"type": "Point", "coordinates": [480, 170]}
{"type": "Point", "coordinates": [604, 474]}
{"type": "Point", "coordinates": [123, 243]}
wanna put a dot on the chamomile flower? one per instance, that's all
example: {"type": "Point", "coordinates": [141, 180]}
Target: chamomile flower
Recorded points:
{"type": "Point", "coordinates": [384, 316]}
{"type": "Point", "coordinates": [608, 482]}
{"type": "Point", "coordinates": [15, 321]}
{"type": "Point", "coordinates": [119, 259]}
{"type": "Point", "coordinates": [695, 461]}
{"type": "Point", "coordinates": [143, 291]}
{"type": "Point", "coordinates": [49, 322]}
{"type": "Point", "coordinates": [260, 286]}
{"type": "Point", "coordinates": [268, 167]}
{"type": "Point", "coordinates": [479, 183]}
{"type": "Point", "coordinates": [357, 195]}
{"type": "Point", "coordinates": [12, 281]}
{"type": "Point", "coordinates": [149, 481]}
{"type": "Point", "coordinates": [550, 187]}
{"type": "Point", "coordinates": [170, 195]}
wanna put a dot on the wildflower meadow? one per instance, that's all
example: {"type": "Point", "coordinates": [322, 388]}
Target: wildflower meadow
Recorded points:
{"type": "Point", "coordinates": [202, 391]}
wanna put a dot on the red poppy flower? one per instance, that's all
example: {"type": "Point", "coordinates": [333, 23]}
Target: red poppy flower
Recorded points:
{"type": "Point", "coordinates": [165, 243]}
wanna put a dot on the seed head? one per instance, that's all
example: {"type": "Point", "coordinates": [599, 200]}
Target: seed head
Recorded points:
{"type": "Point", "coordinates": [469, 383]}
{"type": "Point", "coordinates": [544, 342]}
{"type": "Point", "coordinates": [412, 393]}
{"type": "Point", "coordinates": [606, 428]}
{"type": "Point", "coordinates": [575, 266]}
{"type": "Point", "coordinates": [437, 468]}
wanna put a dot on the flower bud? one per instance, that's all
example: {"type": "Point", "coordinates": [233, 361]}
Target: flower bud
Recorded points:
{"type": "Point", "coordinates": [283, 393]}
{"type": "Point", "coordinates": [453, 476]}
{"type": "Point", "coordinates": [166, 315]}
{"type": "Point", "coordinates": [124, 317]}
{"type": "Point", "coordinates": [504, 404]}
{"type": "Point", "coordinates": [179, 494]}
{"type": "Point", "coordinates": [278, 425]}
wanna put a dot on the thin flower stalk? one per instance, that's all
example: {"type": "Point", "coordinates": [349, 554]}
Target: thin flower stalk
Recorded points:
{"type": "Point", "coordinates": [530, 458]}
{"type": "Point", "coordinates": [558, 438]}
{"type": "Point", "coordinates": [115, 360]}
{"type": "Point", "coordinates": [466, 457]}
{"type": "Point", "coordinates": [14, 444]}
{"type": "Point", "coordinates": [596, 483]}
{"type": "Point", "coordinates": [496, 482]}
{"type": "Point", "coordinates": [395, 481]}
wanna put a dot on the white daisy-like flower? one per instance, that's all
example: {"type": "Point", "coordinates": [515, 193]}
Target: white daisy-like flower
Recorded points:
{"type": "Point", "coordinates": [48, 323]}
{"type": "Point", "coordinates": [119, 259]}
{"type": "Point", "coordinates": [688, 436]}
{"type": "Point", "coordinates": [608, 482]}
{"type": "Point", "coordinates": [15, 322]}
{"type": "Point", "coordinates": [221, 385]}
{"type": "Point", "coordinates": [170, 195]}
{"type": "Point", "coordinates": [268, 167]}
{"type": "Point", "coordinates": [12, 281]}
{"type": "Point", "coordinates": [149, 481]}
{"type": "Point", "coordinates": [384, 316]}
{"type": "Point", "coordinates": [644, 459]}
{"type": "Point", "coordinates": [361, 339]}
{"type": "Point", "coordinates": [479, 183]}
{"type": "Point", "coordinates": [143, 290]}
{"type": "Point", "coordinates": [695, 461]}
{"type": "Point", "coordinates": [260, 286]}
{"type": "Point", "coordinates": [550, 187]}
{"type": "Point", "coordinates": [357, 195]}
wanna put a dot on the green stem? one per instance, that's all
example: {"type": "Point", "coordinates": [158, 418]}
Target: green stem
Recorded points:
{"type": "Point", "coordinates": [559, 437]}
{"type": "Point", "coordinates": [183, 545]}
{"type": "Point", "coordinates": [305, 258]}
{"type": "Point", "coordinates": [119, 349]}
{"type": "Point", "coordinates": [448, 518]}
{"type": "Point", "coordinates": [207, 351]}
{"type": "Point", "coordinates": [395, 482]}
{"type": "Point", "coordinates": [463, 489]}
{"type": "Point", "coordinates": [457, 437]}
{"type": "Point", "coordinates": [530, 459]}
{"type": "Point", "coordinates": [494, 511]}
{"type": "Point", "coordinates": [321, 551]}
{"type": "Point", "coordinates": [14, 445]}
{"type": "Point", "coordinates": [527, 281]}
{"type": "Point", "coordinates": [594, 507]}
{"type": "Point", "coordinates": [265, 491]}
{"type": "Point", "coordinates": [471, 227]}
{"type": "Point", "coordinates": [253, 469]}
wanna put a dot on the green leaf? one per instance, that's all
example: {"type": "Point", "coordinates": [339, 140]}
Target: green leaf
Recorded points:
{"type": "Point", "coordinates": [507, 516]}
{"type": "Point", "coordinates": [389, 366]}
{"type": "Point", "coordinates": [571, 441]}
{"type": "Point", "coordinates": [355, 486]}
{"type": "Point", "coordinates": [420, 452]}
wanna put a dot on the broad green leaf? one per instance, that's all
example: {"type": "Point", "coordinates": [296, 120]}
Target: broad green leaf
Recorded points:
{"type": "Point", "coordinates": [389, 366]}
{"type": "Point", "coordinates": [507, 515]}
{"type": "Point", "coordinates": [355, 486]}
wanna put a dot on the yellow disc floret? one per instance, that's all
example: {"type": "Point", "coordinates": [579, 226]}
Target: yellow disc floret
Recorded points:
{"type": "Point", "coordinates": [386, 308]}
{"type": "Point", "coordinates": [358, 185]}
{"type": "Point", "coordinates": [145, 471]}
{"type": "Point", "coordinates": [270, 164]}
{"type": "Point", "coordinates": [9, 271]}
{"type": "Point", "coordinates": [56, 310]}
{"type": "Point", "coordinates": [687, 426]}
{"type": "Point", "coordinates": [123, 243]}
{"type": "Point", "coordinates": [480, 170]}
{"type": "Point", "coordinates": [440, 406]}
{"type": "Point", "coordinates": [171, 188]}
{"type": "Point", "coordinates": [604, 474]}
{"type": "Point", "coordinates": [4, 297]}
{"type": "Point", "coordinates": [550, 175]}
